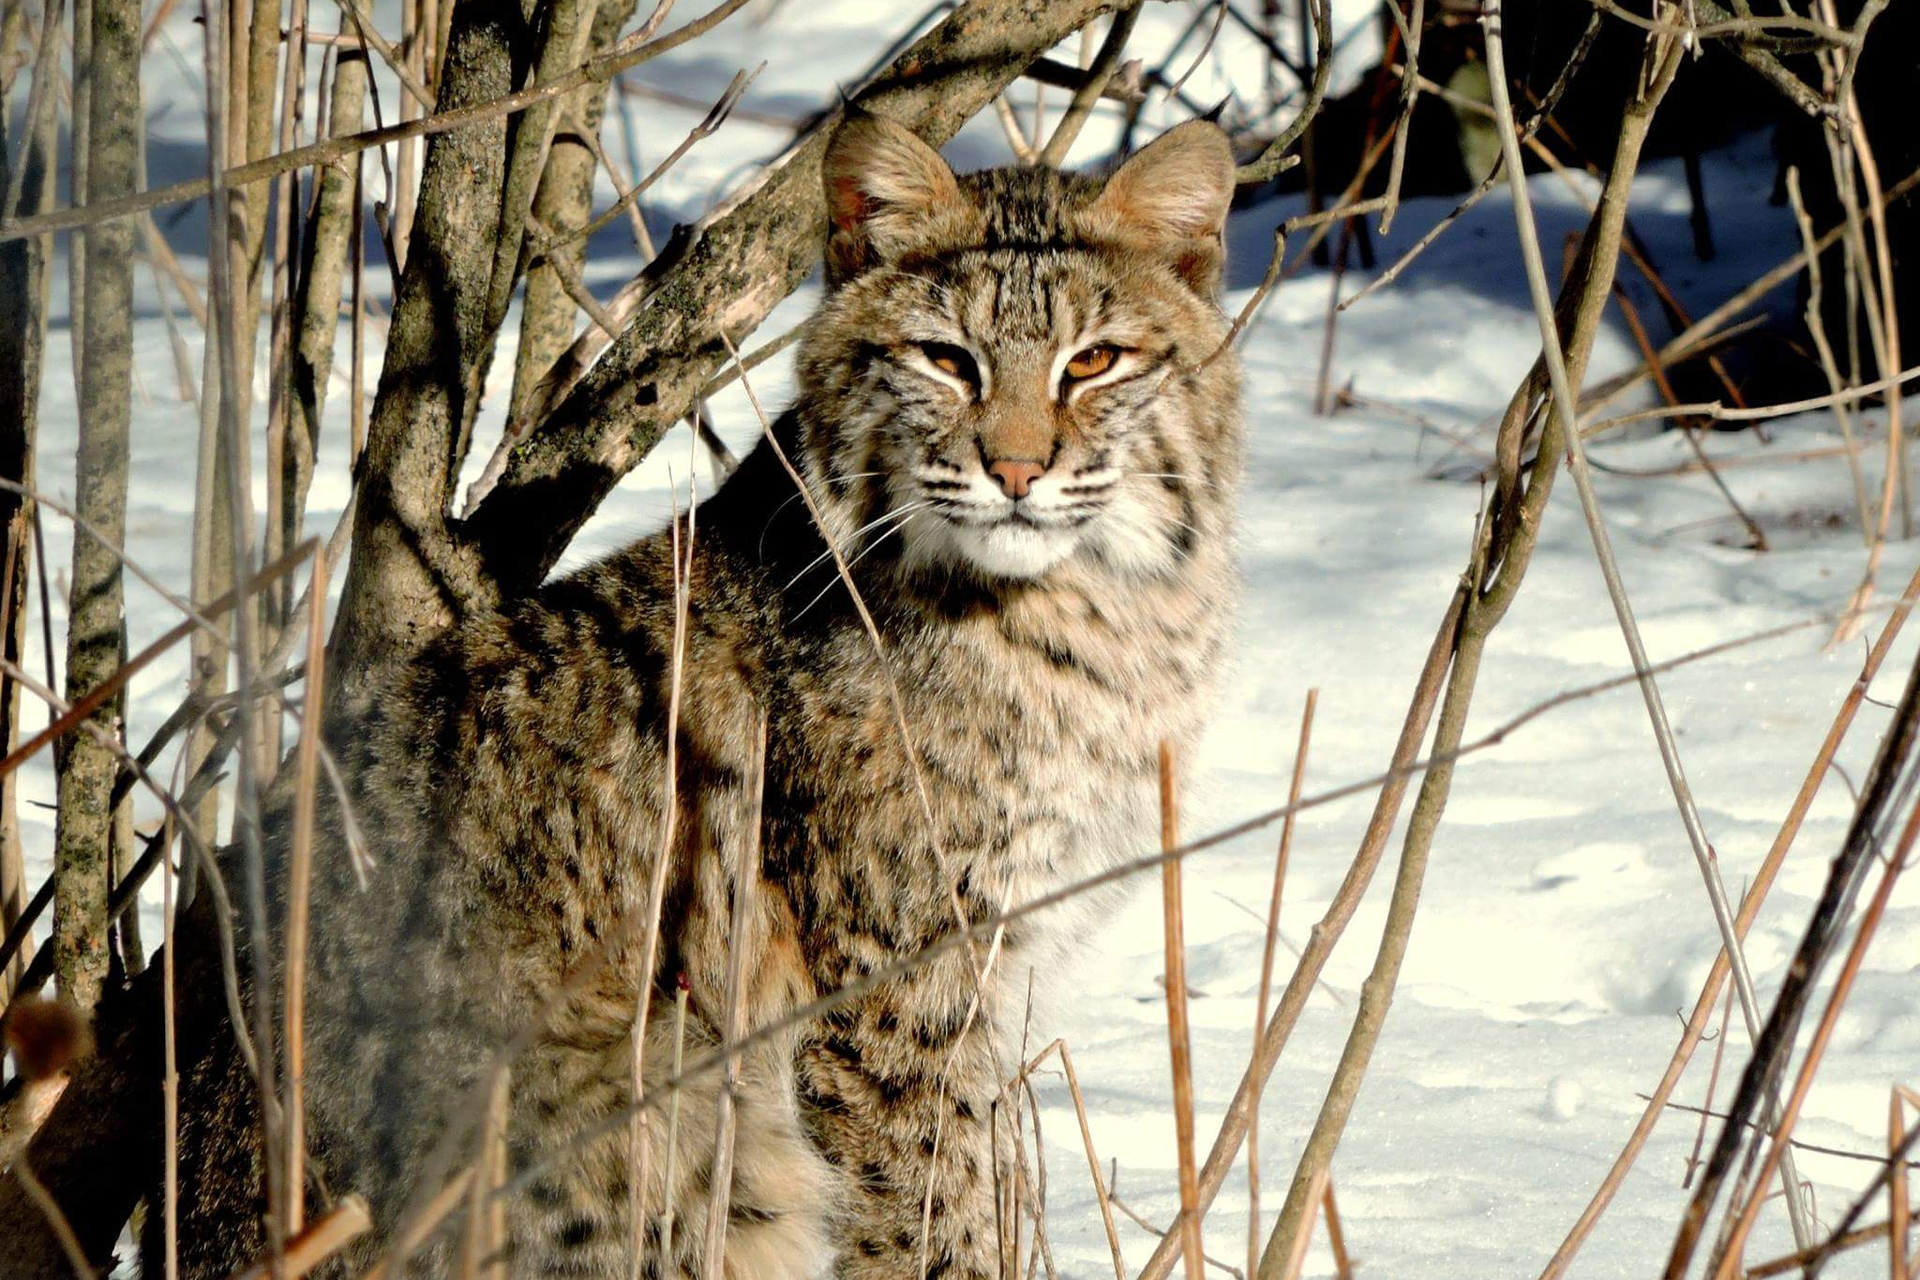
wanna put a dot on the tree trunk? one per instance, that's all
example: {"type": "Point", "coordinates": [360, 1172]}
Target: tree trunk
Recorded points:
{"type": "Point", "coordinates": [84, 834]}
{"type": "Point", "coordinates": [563, 205]}
{"type": "Point", "coordinates": [408, 579]}
{"type": "Point", "coordinates": [317, 306]}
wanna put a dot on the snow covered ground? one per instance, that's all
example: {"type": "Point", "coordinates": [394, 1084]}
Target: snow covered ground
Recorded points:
{"type": "Point", "coordinates": [1563, 921]}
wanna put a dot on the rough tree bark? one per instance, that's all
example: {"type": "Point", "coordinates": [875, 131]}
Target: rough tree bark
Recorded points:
{"type": "Point", "coordinates": [408, 577]}
{"type": "Point", "coordinates": [84, 836]}
{"type": "Point", "coordinates": [563, 204]}
{"type": "Point", "coordinates": [317, 305]}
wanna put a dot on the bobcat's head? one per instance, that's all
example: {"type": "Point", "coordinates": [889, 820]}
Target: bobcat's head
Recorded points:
{"type": "Point", "coordinates": [1019, 368]}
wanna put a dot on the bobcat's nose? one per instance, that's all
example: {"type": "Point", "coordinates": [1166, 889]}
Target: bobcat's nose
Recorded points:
{"type": "Point", "coordinates": [1015, 477]}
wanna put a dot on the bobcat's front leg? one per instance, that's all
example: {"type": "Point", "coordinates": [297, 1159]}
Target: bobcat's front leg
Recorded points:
{"type": "Point", "coordinates": [899, 1092]}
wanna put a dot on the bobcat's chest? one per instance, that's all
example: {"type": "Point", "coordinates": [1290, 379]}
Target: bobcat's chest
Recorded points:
{"type": "Point", "coordinates": [1029, 763]}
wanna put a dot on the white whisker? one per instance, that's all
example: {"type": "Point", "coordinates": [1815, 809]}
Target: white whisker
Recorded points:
{"type": "Point", "coordinates": [875, 522]}
{"type": "Point", "coordinates": [795, 497]}
{"type": "Point", "coordinates": [864, 553]}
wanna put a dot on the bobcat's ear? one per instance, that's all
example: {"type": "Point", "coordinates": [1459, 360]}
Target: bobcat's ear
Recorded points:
{"type": "Point", "coordinates": [887, 191]}
{"type": "Point", "coordinates": [1172, 196]}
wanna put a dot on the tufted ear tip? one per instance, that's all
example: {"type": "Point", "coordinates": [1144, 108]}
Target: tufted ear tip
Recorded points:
{"type": "Point", "coordinates": [883, 185]}
{"type": "Point", "coordinates": [1177, 187]}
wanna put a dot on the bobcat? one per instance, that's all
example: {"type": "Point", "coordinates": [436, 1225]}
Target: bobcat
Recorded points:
{"type": "Point", "coordinates": [1016, 420]}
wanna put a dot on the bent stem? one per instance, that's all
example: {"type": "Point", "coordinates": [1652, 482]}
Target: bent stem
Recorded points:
{"type": "Point", "coordinates": [1667, 63]}
{"type": "Point", "coordinates": [1502, 549]}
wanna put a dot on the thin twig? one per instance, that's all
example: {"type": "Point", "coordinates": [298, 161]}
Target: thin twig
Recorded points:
{"type": "Point", "coordinates": [1837, 1244]}
{"type": "Point", "coordinates": [1266, 979]}
{"type": "Point", "coordinates": [299, 906]}
{"type": "Point", "coordinates": [1098, 73]}
{"type": "Point", "coordinates": [1179, 1036]}
{"type": "Point", "coordinates": [1273, 157]}
{"type": "Point", "coordinates": [1667, 59]}
{"type": "Point", "coordinates": [598, 70]}
{"type": "Point", "coordinates": [1086, 1141]}
{"type": "Point", "coordinates": [1732, 1247]}
{"type": "Point", "coordinates": [1749, 909]}
{"type": "Point", "coordinates": [1411, 29]}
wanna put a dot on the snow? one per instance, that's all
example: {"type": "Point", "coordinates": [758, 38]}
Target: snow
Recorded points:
{"type": "Point", "coordinates": [1563, 921]}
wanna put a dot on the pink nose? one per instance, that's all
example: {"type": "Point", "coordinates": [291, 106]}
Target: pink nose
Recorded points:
{"type": "Point", "coordinates": [1015, 478]}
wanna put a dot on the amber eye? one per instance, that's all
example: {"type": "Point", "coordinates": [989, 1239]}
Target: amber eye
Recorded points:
{"type": "Point", "coordinates": [1092, 362]}
{"type": "Point", "coordinates": [950, 359]}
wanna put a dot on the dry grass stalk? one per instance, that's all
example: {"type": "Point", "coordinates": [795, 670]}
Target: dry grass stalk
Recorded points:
{"type": "Point", "coordinates": [483, 1252]}
{"type": "Point", "coordinates": [1879, 1161]}
{"type": "Point", "coordinates": [1713, 1080]}
{"type": "Point", "coordinates": [1776, 1157]}
{"type": "Point", "coordinates": [262, 168]}
{"type": "Point", "coordinates": [1815, 322]}
{"type": "Point", "coordinates": [680, 992]}
{"type": "Point", "coordinates": [1007, 915]}
{"type": "Point", "coordinates": [1411, 29]}
{"type": "Point", "coordinates": [1134, 1216]}
{"type": "Point", "coordinates": [1845, 1240]}
{"type": "Point", "coordinates": [22, 1173]}
{"type": "Point", "coordinates": [1694, 337]}
{"type": "Point", "coordinates": [1664, 65]}
{"type": "Point", "coordinates": [1266, 978]}
{"type": "Point", "coordinates": [1897, 1266]}
{"type": "Point", "coordinates": [1756, 536]}
{"type": "Point", "coordinates": [299, 889]}
{"type": "Point", "coordinates": [347, 1221]}
{"type": "Point", "coordinates": [417, 1227]}
{"type": "Point", "coordinates": [1326, 933]}
{"type": "Point", "coordinates": [1086, 1141]}
{"type": "Point", "coordinates": [746, 871]}
{"type": "Point", "coordinates": [1336, 1236]}
{"type": "Point", "coordinates": [1178, 1033]}
{"type": "Point", "coordinates": [1502, 548]}
{"type": "Point", "coordinates": [1868, 832]}
{"type": "Point", "coordinates": [1867, 289]}
{"type": "Point", "coordinates": [639, 1135]}
{"type": "Point", "coordinates": [1753, 413]}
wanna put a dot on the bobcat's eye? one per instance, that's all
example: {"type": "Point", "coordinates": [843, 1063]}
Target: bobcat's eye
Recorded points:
{"type": "Point", "coordinates": [952, 360]}
{"type": "Point", "coordinates": [1092, 362]}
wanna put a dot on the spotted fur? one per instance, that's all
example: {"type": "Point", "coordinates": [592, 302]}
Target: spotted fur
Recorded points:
{"type": "Point", "coordinates": [511, 780]}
